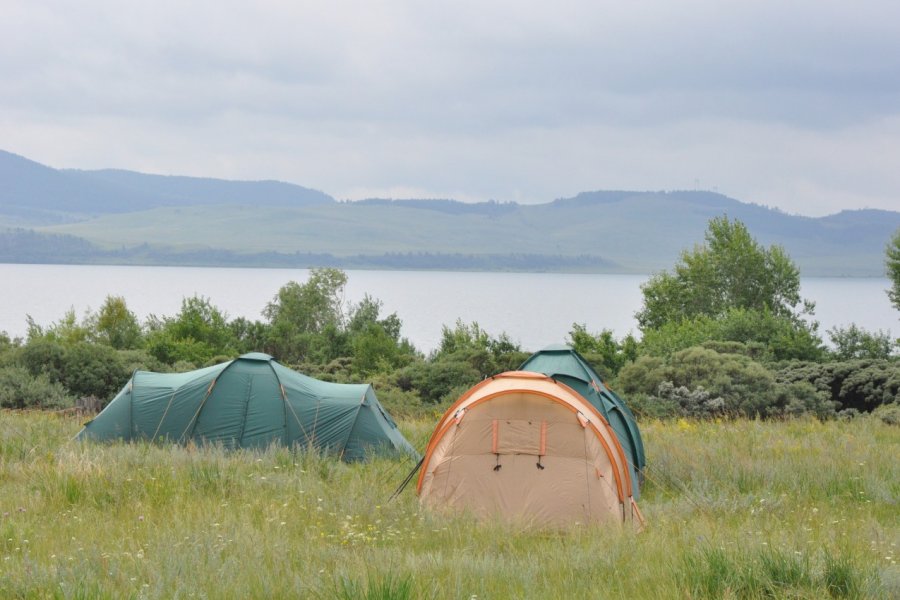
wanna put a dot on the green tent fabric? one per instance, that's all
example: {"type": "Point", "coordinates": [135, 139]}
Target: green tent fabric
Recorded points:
{"type": "Point", "coordinates": [566, 365]}
{"type": "Point", "coordinates": [250, 402]}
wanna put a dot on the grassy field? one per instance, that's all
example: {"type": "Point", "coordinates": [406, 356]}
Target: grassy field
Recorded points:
{"type": "Point", "coordinates": [743, 509]}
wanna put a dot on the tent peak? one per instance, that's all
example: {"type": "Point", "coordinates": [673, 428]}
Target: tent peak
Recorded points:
{"type": "Point", "coordinates": [261, 356]}
{"type": "Point", "coordinates": [557, 348]}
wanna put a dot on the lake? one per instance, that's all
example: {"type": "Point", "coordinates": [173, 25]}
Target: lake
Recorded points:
{"type": "Point", "coordinates": [535, 309]}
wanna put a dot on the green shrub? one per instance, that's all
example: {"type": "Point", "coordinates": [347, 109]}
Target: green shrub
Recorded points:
{"type": "Point", "coordinates": [374, 350]}
{"type": "Point", "coordinates": [855, 342]}
{"type": "Point", "coordinates": [20, 389]}
{"type": "Point", "coordinates": [602, 350]}
{"type": "Point", "coordinates": [435, 380]}
{"type": "Point", "coordinates": [859, 384]}
{"type": "Point", "coordinates": [701, 382]}
{"type": "Point", "coordinates": [698, 403]}
{"type": "Point", "coordinates": [140, 360]}
{"type": "Point", "coordinates": [764, 335]}
{"type": "Point", "coordinates": [401, 403]}
{"type": "Point", "coordinates": [249, 336]}
{"type": "Point", "coordinates": [83, 368]}
{"type": "Point", "coordinates": [93, 370]}
{"type": "Point", "coordinates": [888, 413]}
{"type": "Point", "coordinates": [650, 406]}
{"type": "Point", "coordinates": [199, 332]}
{"type": "Point", "coordinates": [115, 325]}
{"type": "Point", "coordinates": [167, 348]}
{"type": "Point", "coordinates": [44, 356]}
{"type": "Point", "coordinates": [6, 343]}
{"type": "Point", "coordinates": [802, 398]}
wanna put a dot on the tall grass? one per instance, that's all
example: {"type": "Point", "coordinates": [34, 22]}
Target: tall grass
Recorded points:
{"type": "Point", "coordinates": [745, 509]}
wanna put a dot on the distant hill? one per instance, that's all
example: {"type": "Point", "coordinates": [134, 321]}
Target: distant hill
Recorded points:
{"type": "Point", "coordinates": [182, 220]}
{"type": "Point", "coordinates": [32, 194]}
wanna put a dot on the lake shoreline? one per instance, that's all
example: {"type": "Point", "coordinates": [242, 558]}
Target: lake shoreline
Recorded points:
{"type": "Point", "coordinates": [534, 309]}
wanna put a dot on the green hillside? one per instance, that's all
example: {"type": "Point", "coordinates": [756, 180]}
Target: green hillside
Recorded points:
{"type": "Point", "coordinates": [130, 218]}
{"type": "Point", "coordinates": [638, 232]}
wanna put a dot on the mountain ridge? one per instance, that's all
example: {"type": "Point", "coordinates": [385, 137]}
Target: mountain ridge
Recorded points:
{"type": "Point", "coordinates": [601, 230]}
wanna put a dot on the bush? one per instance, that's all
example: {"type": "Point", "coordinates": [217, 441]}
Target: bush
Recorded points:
{"type": "Point", "coordinates": [854, 342]}
{"type": "Point", "coordinates": [606, 355]}
{"type": "Point", "coordinates": [400, 403]}
{"type": "Point", "coordinates": [859, 384]}
{"type": "Point", "coordinates": [802, 398]}
{"type": "Point", "coordinates": [140, 360]}
{"type": "Point", "coordinates": [375, 350]}
{"type": "Point", "coordinates": [697, 403]}
{"type": "Point", "coordinates": [169, 349]}
{"type": "Point", "coordinates": [43, 356]}
{"type": "Point", "coordinates": [6, 343]}
{"type": "Point", "coordinates": [199, 332]}
{"type": "Point", "coordinates": [93, 370]}
{"type": "Point", "coordinates": [248, 336]}
{"type": "Point", "coordinates": [83, 368]}
{"type": "Point", "coordinates": [115, 325]}
{"type": "Point", "coordinates": [888, 414]}
{"type": "Point", "coordinates": [20, 389]}
{"type": "Point", "coordinates": [436, 380]}
{"type": "Point", "coordinates": [764, 335]}
{"type": "Point", "coordinates": [653, 407]}
{"type": "Point", "coordinates": [701, 382]}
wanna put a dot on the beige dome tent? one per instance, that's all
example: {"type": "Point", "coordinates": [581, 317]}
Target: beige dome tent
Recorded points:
{"type": "Point", "coordinates": [521, 446]}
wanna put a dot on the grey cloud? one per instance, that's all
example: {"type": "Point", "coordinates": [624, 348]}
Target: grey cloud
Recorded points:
{"type": "Point", "coordinates": [510, 100]}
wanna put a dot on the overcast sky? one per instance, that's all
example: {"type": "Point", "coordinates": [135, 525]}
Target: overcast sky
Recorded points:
{"type": "Point", "coordinates": [794, 105]}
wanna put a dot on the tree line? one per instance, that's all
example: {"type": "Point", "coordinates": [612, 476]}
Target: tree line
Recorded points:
{"type": "Point", "coordinates": [724, 333]}
{"type": "Point", "coordinates": [29, 246]}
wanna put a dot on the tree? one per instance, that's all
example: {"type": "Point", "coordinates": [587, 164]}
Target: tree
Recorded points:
{"type": "Point", "coordinates": [893, 268]}
{"type": "Point", "coordinates": [307, 320]}
{"type": "Point", "coordinates": [462, 336]}
{"type": "Point", "coordinates": [767, 337]}
{"type": "Point", "coordinates": [115, 325]}
{"type": "Point", "coordinates": [312, 306]}
{"type": "Point", "coordinates": [367, 312]}
{"type": "Point", "coordinates": [471, 337]}
{"type": "Point", "coordinates": [376, 342]}
{"type": "Point", "coordinates": [248, 336]}
{"type": "Point", "coordinates": [199, 332]}
{"type": "Point", "coordinates": [604, 347]}
{"type": "Point", "coordinates": [66, 331]}
{"type": "Point", "coordinates": [731, 270]}
{"type": "Point", "coordinates": [855, 342]}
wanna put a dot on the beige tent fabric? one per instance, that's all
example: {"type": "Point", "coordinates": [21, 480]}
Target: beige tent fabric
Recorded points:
{"type": "Point", "coordinates": [521, 446]}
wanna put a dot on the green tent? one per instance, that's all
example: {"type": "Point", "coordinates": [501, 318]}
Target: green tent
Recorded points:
{"type": "Point", "coordinates": [564, 364]}
{"type": "Point", "coordinates": [250, 402]}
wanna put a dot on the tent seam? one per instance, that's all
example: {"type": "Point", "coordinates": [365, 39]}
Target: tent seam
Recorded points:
{"type": "Point", "coordinates": [287, 403]}
{"type": "Point", "coordinates": [240, 441]}
{"type": "Point", "coordinates": [192, 424]}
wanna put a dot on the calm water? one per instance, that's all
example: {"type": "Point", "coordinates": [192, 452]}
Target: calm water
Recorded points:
{"type": "Point", "coordinates": [535, 309]}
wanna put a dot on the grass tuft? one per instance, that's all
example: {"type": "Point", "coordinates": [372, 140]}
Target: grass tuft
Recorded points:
{"type": "Point", "coordinates": [385, 586]}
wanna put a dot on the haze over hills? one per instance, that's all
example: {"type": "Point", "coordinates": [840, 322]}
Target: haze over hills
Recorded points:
{"type": "Point", "coordinates": [129, 217]}
{"type": "Point", "coordinates": [38, 195]}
